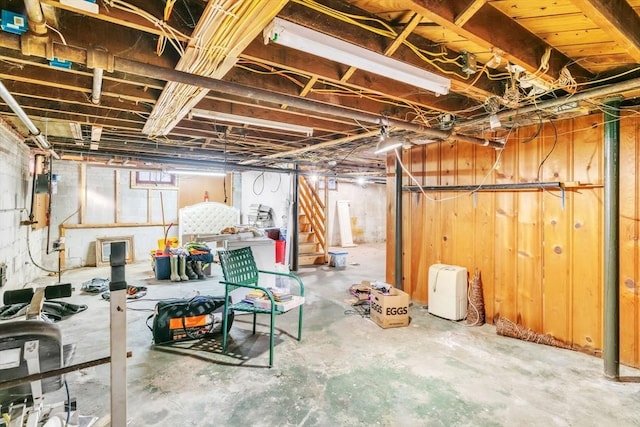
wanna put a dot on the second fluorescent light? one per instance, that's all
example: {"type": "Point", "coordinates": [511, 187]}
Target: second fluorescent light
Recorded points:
{"type": "Point", "coordinates": [306, 40]}
{"type": "Point", "coordinates": [233, 118]}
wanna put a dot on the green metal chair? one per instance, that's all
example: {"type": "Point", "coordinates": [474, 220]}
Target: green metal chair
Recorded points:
{"type": "Point", "coordinates": [240, 271]}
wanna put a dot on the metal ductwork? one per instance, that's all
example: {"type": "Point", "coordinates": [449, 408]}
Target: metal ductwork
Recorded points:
{"type": "Point", "coordinates": [35, 133]}
{"type": "Point", "coordinates": [96, 90]}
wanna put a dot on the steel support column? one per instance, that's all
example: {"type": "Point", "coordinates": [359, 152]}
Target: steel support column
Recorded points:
{"type": "Point", "coordinates": [398, 226]}
{"type": "Point", "coordinates": [611, 347]}
{"type": "Point", "coordinates": [295, 250]}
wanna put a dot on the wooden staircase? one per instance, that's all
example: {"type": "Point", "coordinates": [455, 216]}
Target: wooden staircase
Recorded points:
{"type": "Point", "coordinates": [312, 226]}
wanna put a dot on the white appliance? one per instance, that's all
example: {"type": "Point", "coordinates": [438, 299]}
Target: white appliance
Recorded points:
{"type": "Point", "coordinates": [448, 291]}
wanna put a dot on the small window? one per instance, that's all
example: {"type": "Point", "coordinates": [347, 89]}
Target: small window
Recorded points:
{"type": "Point", "coordinates": [153, 179]}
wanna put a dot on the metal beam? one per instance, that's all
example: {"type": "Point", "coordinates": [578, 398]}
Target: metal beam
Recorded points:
{"type": "Point", "coordinates": [106, 61]}
{"type": "Point", "coordinates": [601, 92]}
{"type": "Point", "coordinates": [138, 68]}
{"type": "Point", "coordinates": [487, 187]}
{"type": "Point", "coordinates": [611, 347]}
{"type": "Point", "coordinates": [295, 250]}
{"type": "Point", "coordinates": [398, 227]}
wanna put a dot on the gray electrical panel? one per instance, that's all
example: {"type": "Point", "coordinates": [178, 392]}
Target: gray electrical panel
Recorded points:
{"type": "Point", "coordinates": [3, 274]}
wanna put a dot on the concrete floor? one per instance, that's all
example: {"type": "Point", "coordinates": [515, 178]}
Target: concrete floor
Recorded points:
{"type": "Point", "coordinates": [346, 371]}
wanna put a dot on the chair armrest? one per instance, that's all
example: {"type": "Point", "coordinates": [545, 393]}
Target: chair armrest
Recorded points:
{"type": "Point", "coordinates": [289, 275]}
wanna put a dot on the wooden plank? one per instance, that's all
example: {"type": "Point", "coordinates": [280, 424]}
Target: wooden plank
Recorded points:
{"type": "Point", "coordinates": [505, 261]}
{"type": "Point", "coordinates": [431, 212]}
{"type": "Point", "coordinates": [565, 38]}
{"type": "Point", "coordinates": [127, 19]}
{"type": "Point", "coordinates": [629, 236]}
{"type": "Point", "coordinates": [447, 203]}
{"type": "Point", "coordinates": [519, 9]}
{"type": "Point", "coordinates": [529, 239]}
{"type": "Point", "coordinates": [113, 225]}
{"type": "Point", "coordinates": [566, 22]}
{"type": "Point", "coordinates": [587, 243]}
{"type": "Point", "coordinates": [468, 12]}
{"type": "Point", "coordinates": [484, 227]}
{"type": "Point", "coordinates": [464, 211]}
{"type": "Point", "coordinates": [587, 267]}
{"type": "Point", "coordinates": [617, 19]}
{"type": "Point", "coordinates": [520, 46]}
{"type": "Point", "coordinates": [557, 249]}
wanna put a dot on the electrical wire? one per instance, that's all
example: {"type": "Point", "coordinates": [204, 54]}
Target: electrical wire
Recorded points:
{"type": "Point", "coordinates": [171, 34]}
{"type": "Point", "coordinates": [66, 387]}
{"type": "Point", "coordinates": [537, 133]}
{"type": "Point", "coordinates": [55, 30]}
{"type": "Point", "coordinates": [31, 256]}
{"type": "Point", "coordinates": [553, 147]}
{"type": "Point", "coordinates": [387, 31]}
{"type": "Point", "coordinates": [255, 181]}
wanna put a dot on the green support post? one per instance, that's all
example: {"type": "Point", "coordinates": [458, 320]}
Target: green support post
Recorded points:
{"type": "Point", "coordinates": [611, 345]}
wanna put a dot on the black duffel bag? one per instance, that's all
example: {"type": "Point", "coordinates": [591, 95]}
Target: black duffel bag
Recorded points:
{"type": "Point", "coordinates": [181, 319]}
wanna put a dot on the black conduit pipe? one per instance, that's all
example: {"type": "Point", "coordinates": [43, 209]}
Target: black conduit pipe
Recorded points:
{"type": "Point", "coordinates": [33, 186]}
{"type": "Point", "coordinates": [50, 196]}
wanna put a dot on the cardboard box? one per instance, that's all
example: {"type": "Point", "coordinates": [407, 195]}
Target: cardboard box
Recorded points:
{"type": "Point", "coordinates": [389, 311]}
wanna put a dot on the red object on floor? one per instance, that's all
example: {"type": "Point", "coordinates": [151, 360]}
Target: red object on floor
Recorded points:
{"type": "Point", "coordinates": [280, 245]}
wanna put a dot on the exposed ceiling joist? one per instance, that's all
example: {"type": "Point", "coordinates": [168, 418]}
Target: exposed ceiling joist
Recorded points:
{"type": "Point", "coordinates": [518, 45]}
{"type": "Point", "coordinates": [618, 19]}
{"type": "Point", "coordinates": [131, 20]}
{"type": "Point", "coordinates": [223, 31]}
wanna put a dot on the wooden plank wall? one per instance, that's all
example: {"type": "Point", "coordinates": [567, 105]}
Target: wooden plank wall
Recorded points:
{"type": "Point", "coordinates": [540, 257]}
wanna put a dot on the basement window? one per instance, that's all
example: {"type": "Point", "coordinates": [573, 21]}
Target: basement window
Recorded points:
{"type": "Point", "coordinates": [153, 179]}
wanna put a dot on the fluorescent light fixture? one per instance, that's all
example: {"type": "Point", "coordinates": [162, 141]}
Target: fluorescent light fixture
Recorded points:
{"type": "Point", "coordinates": [94, 146]}
{"type": "Point", "coordinates": [76, 131]}
{"type": "Point", "coordinates": [319, 44]}
{"type": "Point", "coordinates": [224, 117]}
{"type": "Point", "coordinates": [388, 144]}
{"type": "Point", "coordinates": [96, 133]}
{"type": "Point", "coordinates": [196, 172]}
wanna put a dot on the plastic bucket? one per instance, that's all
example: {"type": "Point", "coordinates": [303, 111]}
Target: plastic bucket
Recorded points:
{"type": "Point", "coordinates": [163, 267]}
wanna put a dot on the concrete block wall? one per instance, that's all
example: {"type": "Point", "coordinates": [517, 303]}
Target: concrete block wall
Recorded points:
{"type": "Point", "coordinates": [14, 205]}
